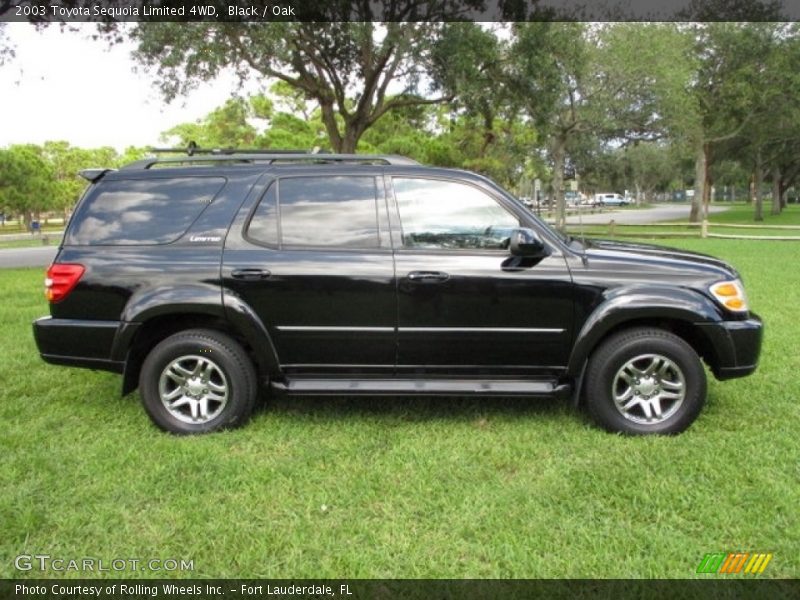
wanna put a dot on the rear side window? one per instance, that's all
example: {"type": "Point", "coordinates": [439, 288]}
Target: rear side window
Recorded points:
{"type": "Point", "coordinates": [334, 212]}
{"type": "Point", "coordinates": [142, 211]}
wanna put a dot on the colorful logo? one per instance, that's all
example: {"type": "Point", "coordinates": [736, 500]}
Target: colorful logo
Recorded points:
{"type": "Point", "coordinates": [734, 562]}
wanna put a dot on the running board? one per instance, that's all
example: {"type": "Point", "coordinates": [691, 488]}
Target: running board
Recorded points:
{"type": "Point", "coordinates": [498, 387]}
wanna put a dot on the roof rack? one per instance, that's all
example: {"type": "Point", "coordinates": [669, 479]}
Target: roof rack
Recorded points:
{"type": "Point", "coordinates": [192, 149]}
{"type": "Point", "coordinates": [272, 157]}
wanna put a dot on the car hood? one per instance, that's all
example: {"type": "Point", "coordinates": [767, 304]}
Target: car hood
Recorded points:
{"type": "Point", "coordinates": [658, 258]}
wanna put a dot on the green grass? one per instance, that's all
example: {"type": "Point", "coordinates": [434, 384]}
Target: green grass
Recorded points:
{"type": "Point", "coordinates": [31, 243]}
{"type": "Point", "coordinates": [740, 212]}
{"type": "Point", "coordinates": [412, 488]}
{"type": "Point", "coordinates": [736, 214]}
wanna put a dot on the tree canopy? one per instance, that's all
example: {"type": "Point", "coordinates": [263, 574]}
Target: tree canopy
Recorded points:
{"type": "Point", "coordinates": [640, 107]}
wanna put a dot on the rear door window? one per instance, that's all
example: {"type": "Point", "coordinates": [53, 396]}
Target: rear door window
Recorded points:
{"type": "Point", "coordinates": [142, 211]}
{"type": "Point", "coordinates": [329, 212]}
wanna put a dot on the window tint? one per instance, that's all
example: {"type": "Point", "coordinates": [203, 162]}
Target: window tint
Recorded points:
{"type": "Point", "coordinates": [147, 211]}
{"type": "Point", "coordinates": [263, 225]}
{"type": "Point", "coordinates": [328, 211]}
{"type": "Point", "coordinates": [450, 215]}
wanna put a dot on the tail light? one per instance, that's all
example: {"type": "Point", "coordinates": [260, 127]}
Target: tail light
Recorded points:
{"type": "Point", "coordinates": [60, 280]}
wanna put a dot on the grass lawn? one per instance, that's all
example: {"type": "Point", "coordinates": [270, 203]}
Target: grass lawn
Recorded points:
{"type": "Point", "coordinates": [31, 243]}
{"type": "Point", "coordinates": [405, 488]}
{"type": "Point", "coordinates": [736, 214]}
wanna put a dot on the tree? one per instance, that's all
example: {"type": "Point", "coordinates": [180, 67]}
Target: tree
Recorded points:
{"type": "Point", "coordinates": [347, 68]}
{"type": "Point", "coordinates": [224, 127]}
{"type": "Point", "coordinates": [730, 59]}
{"type": "Point", "coordinates": [6, 48]}
{"type": "Point", "coordinates": [27, 181]}
{"type": "Point", "coordinates": [65, 162]}
{"type": "Point", "coordinates": [613, 83]}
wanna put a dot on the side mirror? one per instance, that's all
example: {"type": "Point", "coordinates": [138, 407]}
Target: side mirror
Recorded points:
{"type": "Point", "coordinates": [526, 242]}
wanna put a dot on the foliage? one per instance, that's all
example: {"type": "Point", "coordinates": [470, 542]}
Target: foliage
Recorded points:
{"type": "Point", "coordinates": [227, 126]}
{"type": "Point", "coordinates": [35, 178]}
{"type": "Point", "coordinates": [637, 106]}
{"type": "Point", "coordinates": [66, 161]}
{"type": "Point", "coordinates": [27, 181]}
{"type": "Point", "coordinates": [345, 67]}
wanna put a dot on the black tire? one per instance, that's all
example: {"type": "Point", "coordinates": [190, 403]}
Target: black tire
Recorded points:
{"type": "Point", "coordinates": [627, 357]}
{"type": "Point", "coordinates": [219, 387]}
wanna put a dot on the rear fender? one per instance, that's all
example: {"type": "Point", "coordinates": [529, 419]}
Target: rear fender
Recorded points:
{"type": "Point", "coordinates": [197, 301]}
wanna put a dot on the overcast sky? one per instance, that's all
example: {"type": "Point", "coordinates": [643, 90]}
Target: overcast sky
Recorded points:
{"type": "Point", "coordinates": [63, 86]}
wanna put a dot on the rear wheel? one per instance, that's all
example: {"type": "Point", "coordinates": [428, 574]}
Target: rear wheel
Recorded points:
{"type": "Point", "coordinates": [198, 381]}
{"type": "Point", "coordinates": [645, 381]}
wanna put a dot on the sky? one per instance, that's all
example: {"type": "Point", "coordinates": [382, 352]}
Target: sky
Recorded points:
{"type": "Point", "coordinates": [64, 86]}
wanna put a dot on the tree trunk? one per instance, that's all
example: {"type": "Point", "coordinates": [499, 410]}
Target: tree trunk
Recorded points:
{"type": "Point", "coordinates": [331, 126]}
{"type": "Point", "coordinates": [708, 183]}
{"type": "Point", "coordinates": [488, 132]}
{"type": "Point", "coordinates": [699, 184]}
{"type": "Point", "coordinates": [559, 153]}
{"type": "Point", "coordinates": [776, 191]}
{"type": "Point", "coordinates": [349, 142]}
{"type": "Point", "coordinates": [758, 177]}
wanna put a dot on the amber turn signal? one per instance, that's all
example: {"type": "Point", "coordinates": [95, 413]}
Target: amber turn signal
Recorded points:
{"type": "Point", "coordinates": [730, 294]}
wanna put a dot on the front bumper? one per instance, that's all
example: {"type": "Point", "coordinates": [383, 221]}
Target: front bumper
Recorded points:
{"type": "Point", "coordinates": [737, 346]}
{"type": "Point", "coordinates": [77, 343]}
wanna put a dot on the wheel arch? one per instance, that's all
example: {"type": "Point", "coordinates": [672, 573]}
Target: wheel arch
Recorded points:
{"type": "Point", "coordinates": [157, 320]}
{"type": "Point", "coordinates": [678, 313]}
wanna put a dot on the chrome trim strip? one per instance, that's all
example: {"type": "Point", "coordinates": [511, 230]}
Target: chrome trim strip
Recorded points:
{"type": "Point", "coordinates": [314, 328]}
{"type": "Point", "coordinates": [412, 366]}
{"type": "Point", "coordinates": [334, 365]}
{"type": "Point", "coordinates": [479, 330]}
{"type": "Point", "coordinates": [421, 329]}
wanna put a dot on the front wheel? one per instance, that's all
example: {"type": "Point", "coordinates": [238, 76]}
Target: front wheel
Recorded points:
{"type": "Point", "coordinates": [645, 381]}
{"type": "Point", "coordinates": [198, 381]}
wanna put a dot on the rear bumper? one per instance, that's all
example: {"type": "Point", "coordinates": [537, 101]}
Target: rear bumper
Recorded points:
{"type": "Point", "coordinates": [737, 346]}
{"type": "Point", "coordinates": [77, 343]}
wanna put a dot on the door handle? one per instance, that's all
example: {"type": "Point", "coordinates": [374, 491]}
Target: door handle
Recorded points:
{"type": "Point", "coordinates": [428, 276]}
{"type": "Point", "coordinates": [250, 274]}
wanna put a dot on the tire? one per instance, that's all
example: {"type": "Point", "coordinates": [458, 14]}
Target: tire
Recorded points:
{"type": "Point", "coordinates": [198, 381]}
{"type": "Point", "coordinates": [645, 381]}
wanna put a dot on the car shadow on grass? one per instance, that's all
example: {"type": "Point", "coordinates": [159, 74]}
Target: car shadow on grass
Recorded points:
{"type": "Point", "coordinates": [413, 408]}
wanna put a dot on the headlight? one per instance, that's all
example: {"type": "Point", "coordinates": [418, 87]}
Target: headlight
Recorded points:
{"type": "Point", "coordinates": [730, 294]}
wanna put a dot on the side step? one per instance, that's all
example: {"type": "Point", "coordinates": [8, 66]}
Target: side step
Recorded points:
{"type": "Point", "coordinates": [451, 387]}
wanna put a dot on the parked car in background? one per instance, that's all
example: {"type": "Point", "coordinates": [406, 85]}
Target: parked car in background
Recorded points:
{"type": "Point", "coordinates": [611, 200]}
{"type": "Point", "coordinates": [573, 198]}
{"type": "Point", "coordinates": [590, 201]}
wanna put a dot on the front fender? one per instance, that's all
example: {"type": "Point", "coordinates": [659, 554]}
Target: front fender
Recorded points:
{"type": "Point", "coordinates": [639, 303]}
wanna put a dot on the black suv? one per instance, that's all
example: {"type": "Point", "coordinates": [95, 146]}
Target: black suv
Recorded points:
{"type": "Point", "coordinates": [205, 279]}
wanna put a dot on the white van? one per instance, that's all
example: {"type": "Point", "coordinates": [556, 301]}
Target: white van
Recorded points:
{"type": "Point", "coordinates": [610, 200]}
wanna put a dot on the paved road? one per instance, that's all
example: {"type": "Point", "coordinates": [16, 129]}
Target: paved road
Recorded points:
{"type": "Point", "coordinates": [664, 212]}
{"type": "Point", "coordinates": [27, 257]}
